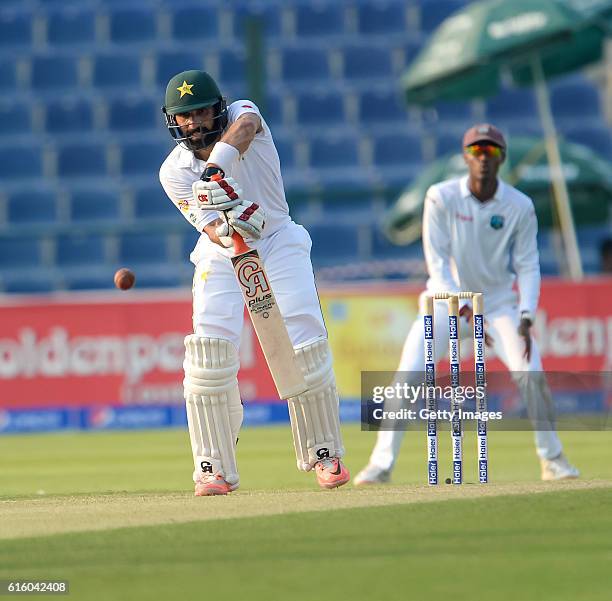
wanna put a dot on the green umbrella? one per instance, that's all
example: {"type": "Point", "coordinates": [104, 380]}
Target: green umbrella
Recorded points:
{"type": "Point", "coordinates": [527, 40]}
{"type": "Point", "coordinates": [588, 177]}
{"type": "Point", "coordinates": [597, 11]}
{"type": "Point", "coordinates": [466, 56]}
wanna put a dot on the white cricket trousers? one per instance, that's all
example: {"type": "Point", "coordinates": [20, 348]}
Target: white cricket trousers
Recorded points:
{"type": "Point", "coordinates": [502, 324]}
{"type": "Point", "coordinates": [218, 306]}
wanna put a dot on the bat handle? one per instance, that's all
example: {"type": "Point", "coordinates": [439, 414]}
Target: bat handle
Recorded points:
{"type": "Point", "coordinates": [240, 246]}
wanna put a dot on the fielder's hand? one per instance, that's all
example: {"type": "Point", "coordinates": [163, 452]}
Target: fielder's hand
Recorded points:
{"type": "Point", "coordinates": [524, 331]}
{"type": "Point", "coordinates": [217, 195]}
{"type": "Point", "coordinates": [466, 311]}
{"type": "Point", "coordinates": [247, 218]}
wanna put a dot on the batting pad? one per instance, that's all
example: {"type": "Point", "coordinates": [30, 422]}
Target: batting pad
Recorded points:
{"type": "Point", "coordinates": [315, 423]}
{"type": "Point", "coordinates": [214, 409]}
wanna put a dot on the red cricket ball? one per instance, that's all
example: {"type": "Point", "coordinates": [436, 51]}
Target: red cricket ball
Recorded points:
{"type": "Point", "coordinates": [124, 279]}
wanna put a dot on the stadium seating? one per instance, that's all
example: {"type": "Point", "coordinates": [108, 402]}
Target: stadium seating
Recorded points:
{"type": "Point", "coordinates": [135, 113]}
{"type": "Point", "coordinates": [232, 66]}
{"type": "Point", "coordinates": [286, 151]}
{"type": "Point", "coordinates": [80, 249]}
{"type": "Point", "coordinates": [32, 205]}
{"type": "Point", "coordinates": [27, 281]}
{"type": "Point", "coordinates": [68, 115]}
{"type": "Point", "coordinates": [170, 62]}
{"type": "Point", "coordinates": [305, 64]}
{"type": "Point", "coordinates": [116, 70]}
{"type": "Point", "coordinates": [72, 26]}
{"type": "Point", "coordinates": [151, 202]}
{"type": "Point", "coordinates": [82, 137]}
{"type": "Point", "coordinates": [566, 98]}
{"type": "Point", "coordinates": [54, 73]}
{"type": "Point", "coordinates": [381, 247]}
{"type": "Point", "coordinates": [595, 138]}
{"type": "Point", "coordinates": [447, 143]}
{"type": "Point", "coordinates": [333, 241]}
{"type": "Point", "coordinates": [82, 159]}
{"type": "Point", "coordinates": [590, 239]}
{"type": "Point", "coordinates": [397, 150]}
{"type": "Point", "coordinates": [20, 161]}
{"type": "Point", "coordinates": [320, 108]}
{"type": "Point", "coordinates": [267, 16]}
{"type": "Point", "coordinates": [138, 158]}
{"type": "Point", "coordinates": [364, 62]}
{"type": "Point", "coordinates": [331, 152]}
{"type": "Point", "coordinates": [194, 22]}
{"type": "Point", "coordinates": [319, 19]}
{"type": "Point", "coordinates": [23, 251]}
{"type": "Point", "coordinates": [450, 113]}
{"type": "Point", "coordinates": [512, 105]}
{"type": "Point", "coordinates": [433, 12]}
{"type": "Point", "coordinates": [132, 24]}
{"type": "Point", "coordinates": [381, 106]}
{"type": "Point", "coordinates": [189, 239]}
{"type": "Point", "coordinates": [139, 248]}
{"type": "Point", "coordinates": [411, 48]}
{"type": "Point", "coordinates": [169, 277]}
{"type": "Point", "coordinates": [382, 18]}
{"type": "Point", "coordinates": [15, 30]}
{"type": "Point", "coordinates": [15, 119]}
{"type": "Point", "coordinates": [272, 111]}
{"type": "Point", "coordinates": [86, 278]}
{"type": "Point", "coordinates": [8, 76]}
{"type": "Point", "coordinates": [94, 205]}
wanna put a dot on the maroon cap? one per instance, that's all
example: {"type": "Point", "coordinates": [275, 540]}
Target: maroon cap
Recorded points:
{"type": "Point", "coordinates": [484, 132]}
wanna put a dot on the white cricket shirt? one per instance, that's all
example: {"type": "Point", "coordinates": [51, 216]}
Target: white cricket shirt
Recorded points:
{"type": "Point", "coordinates": [482, 246]}
{"type": "Point", "coordinates": [257, 171]}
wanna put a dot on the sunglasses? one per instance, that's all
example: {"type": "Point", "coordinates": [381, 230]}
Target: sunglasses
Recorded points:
{"type": "Point", "coordinates": [487, 149]}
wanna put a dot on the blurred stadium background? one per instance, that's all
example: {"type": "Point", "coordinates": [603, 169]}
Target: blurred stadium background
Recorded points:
{"type": "Point", "coordinates": [82, 138]}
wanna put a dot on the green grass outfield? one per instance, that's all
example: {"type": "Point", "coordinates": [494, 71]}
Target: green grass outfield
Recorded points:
{"type": "Point", "coordinates": [114, 514]}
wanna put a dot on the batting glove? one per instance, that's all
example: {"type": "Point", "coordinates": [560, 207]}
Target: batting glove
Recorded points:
{"type": "Point", "coordinates": [217, 195]}
{"type": "Point", "coordinates": [247, 218]}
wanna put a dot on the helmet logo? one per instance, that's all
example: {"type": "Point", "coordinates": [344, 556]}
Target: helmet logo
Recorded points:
{"type": "Point", "coordinates": [185, 89]}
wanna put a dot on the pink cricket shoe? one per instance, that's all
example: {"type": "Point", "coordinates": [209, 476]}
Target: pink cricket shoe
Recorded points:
{"type": "Point", "coordinates": [208, 486]}
{"type": "Point", "coordinates": [331, 473]}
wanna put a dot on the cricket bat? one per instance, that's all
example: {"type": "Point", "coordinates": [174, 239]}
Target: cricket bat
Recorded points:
{"type": "Point", "coordinates": [267, 320]}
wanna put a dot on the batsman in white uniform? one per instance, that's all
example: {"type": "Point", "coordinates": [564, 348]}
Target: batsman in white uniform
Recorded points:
{"type": "Point", "coordinates": [247, 197]}
{"type": "Point", "coordinates": [479, 234]}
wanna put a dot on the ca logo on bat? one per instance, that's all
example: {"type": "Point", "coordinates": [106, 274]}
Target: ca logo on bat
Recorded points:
{"type": "Point", "coordinates": [252, 278]}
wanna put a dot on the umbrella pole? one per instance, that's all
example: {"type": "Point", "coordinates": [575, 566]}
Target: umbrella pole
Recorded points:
{"type": "Point", "coordinates": [562, 203]}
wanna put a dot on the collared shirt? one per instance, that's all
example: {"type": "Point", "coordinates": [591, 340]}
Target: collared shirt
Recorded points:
{"type": "Point", "coordinates": [257, 171]}
{"type": "Point", "coordinates": [479, 246]}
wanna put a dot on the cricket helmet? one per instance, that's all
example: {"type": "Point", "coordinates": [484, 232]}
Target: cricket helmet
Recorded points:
{"type": "Point", "coordinates": [188, 91]}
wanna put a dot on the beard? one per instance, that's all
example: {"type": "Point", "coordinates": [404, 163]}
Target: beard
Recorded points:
{"type": "Point", "coordinates": [201, 138]}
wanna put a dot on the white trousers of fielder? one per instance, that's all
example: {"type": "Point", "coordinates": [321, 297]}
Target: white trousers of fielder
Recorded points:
{"type": "Point", "coordinates": [502, 324]}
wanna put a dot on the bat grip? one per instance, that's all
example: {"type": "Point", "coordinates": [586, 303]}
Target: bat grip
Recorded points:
{"type": "Point", "coordinates": [240, 246]}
